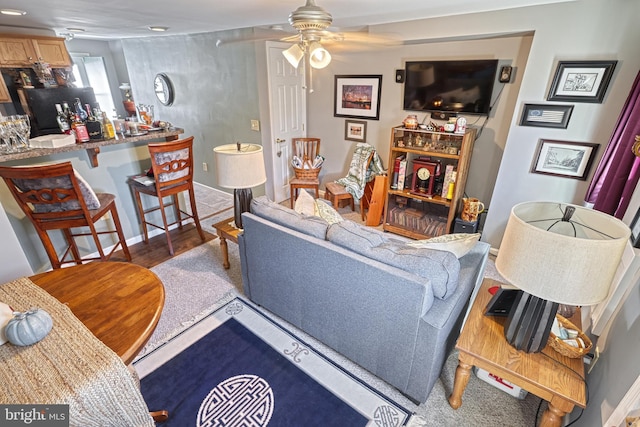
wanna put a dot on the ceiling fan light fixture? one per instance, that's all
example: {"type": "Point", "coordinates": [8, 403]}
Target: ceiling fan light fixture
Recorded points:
{"type": "Point", "coordinates": [319, 57]}
{"type": "Point", "coordinates": [294, 55]}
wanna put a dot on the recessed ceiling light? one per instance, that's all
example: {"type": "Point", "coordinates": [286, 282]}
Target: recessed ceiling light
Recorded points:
{"type": "Point", "coordinates": [76, 30]}
{"type": "Point", "coordinates": [160, 29]}
{"type": "Point", "coordinates": [13, 12]}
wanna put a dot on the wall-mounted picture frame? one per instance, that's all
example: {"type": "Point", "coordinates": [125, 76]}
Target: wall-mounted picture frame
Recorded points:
{"type": "Point", "coordinates": [358, 96]}
{"type": "Point", "coordinates": [547, 116]}
{"type": "Point", "coordinates": [355, 130]}
{"type": "Point", "coordinates": [635, 230]}
{"type": "Point", "coordinates": [581, 81]}
{"type": "Point", "coordinates": [564, 158]}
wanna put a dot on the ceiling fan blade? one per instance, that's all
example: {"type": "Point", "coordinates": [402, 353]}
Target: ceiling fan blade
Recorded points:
{"type": "Point", "coordinates": [357, 40]}
{"type": "Point", "coordinates": [258, 34]}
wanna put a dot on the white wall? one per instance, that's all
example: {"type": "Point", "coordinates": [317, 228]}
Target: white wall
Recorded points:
{"type": "Point", "coordinates": [14, 262]}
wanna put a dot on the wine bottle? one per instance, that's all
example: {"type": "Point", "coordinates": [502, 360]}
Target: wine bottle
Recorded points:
{"type": "Point", "coordinates": [78, 126]}
{"type": "Point", "coordinates": [77, 105]}
{"type": "Point", "coordinates": [61, 118]}
{"type": "Point", "coordinates": [67, 112]}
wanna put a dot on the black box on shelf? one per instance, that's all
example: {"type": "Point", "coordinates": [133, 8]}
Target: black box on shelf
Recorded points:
{"type": "Point", "coordinates": [461, 226]}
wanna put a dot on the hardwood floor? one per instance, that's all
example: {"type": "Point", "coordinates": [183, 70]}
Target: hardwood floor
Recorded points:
{"type": "Point", "coordinates": [157, 251]}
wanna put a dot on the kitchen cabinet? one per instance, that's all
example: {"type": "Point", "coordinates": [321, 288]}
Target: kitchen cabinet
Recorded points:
{"type": "Point", "coordinates": [4, 92]}
{"type": "Point", "coordinates": [428, 175]}
{"type": "Point", "coordinates": [16, 52]}
{"type": "Point", "coordinates": [23, 51]}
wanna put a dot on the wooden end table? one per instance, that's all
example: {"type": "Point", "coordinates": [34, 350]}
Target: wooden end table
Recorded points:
{"type": "Point", "coordinates": [549, 375]}
{"type": "Point", "coordinates": [226, 229]}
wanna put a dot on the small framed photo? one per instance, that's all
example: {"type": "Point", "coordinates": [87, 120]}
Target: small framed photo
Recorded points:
{"type": "Point", "coordinates": [563, 158]}
{"type": "Point", "coordinates": [355, 130]}
{"type": "Point", "coordinates": [635, 230]}
{"type": "Point", "coordinates": [357, 96]}
{"type": "Point", "coordinates": [581, 81]}
{"type": "Point", "coordinates": [548, 116]}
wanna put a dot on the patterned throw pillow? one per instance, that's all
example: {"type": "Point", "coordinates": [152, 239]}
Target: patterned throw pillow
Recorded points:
{"type": "Point", "coordinates": [459, 243]}
{"type": "Point", "coordinates": [327, 212]}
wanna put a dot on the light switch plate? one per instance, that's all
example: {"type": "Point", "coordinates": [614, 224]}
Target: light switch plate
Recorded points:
{"type": "Point", "coordinates": [255, 125]}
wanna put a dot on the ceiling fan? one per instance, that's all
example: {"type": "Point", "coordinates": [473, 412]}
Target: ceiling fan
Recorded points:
{"type": "Point", "coordinates": [311, 23]}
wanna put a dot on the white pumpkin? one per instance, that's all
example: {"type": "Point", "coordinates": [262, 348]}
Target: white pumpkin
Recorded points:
{"type": "Point", "coordinates": [28, 327]}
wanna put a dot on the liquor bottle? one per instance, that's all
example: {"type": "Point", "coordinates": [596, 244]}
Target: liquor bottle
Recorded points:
{"type": "Point", "coordinates": [94, 126]}
{"type": "Point", "coordinates": [78, 126]}
{"type": "Point", "coordinates": [77, 106]}
{"type": "Point", "coordinates": [61, 118]}
{"type": "Point", "coordinates": [67, 112]}
{"type": "Point", "coordinates": [109, 131]}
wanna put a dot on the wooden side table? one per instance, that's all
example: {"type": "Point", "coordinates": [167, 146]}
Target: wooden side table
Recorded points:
{"type": "Point", "coordinates": [226, 229]}
{"type": "Point", "coordinates": [549, 375]}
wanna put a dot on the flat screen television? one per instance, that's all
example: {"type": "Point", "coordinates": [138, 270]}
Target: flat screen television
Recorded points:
{"type": "Point", "coordinates": [462, 86]}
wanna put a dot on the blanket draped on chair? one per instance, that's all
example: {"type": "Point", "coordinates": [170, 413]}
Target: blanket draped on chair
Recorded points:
{"type": "Point", "coordinates": [362, 170]}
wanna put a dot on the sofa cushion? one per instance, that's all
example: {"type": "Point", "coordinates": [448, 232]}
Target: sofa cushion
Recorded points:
{"type": "Point", "coordinates": [440, 268]}
{"type": "Point", "coordinates": [272, 211]}
{"type": "Point", "coordinates": [459, 243]}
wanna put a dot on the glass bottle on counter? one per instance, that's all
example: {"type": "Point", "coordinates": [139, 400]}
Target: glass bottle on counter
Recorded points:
{"type": "Point", "coordinates": [109, 131]}
{"type": "Point", "coordinates": [80, 129]}
{"type": "Point", "coordinates": [61, 118]}
{"type": "Point", "coordinates": [67, 112]}
{"type": "Point", "coordinates": [79, 110]}
{"type": "Point", "coordinates": [94, 126]}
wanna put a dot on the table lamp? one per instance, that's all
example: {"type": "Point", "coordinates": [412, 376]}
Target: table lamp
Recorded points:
{"type": "Point", "coordinates": [240, 166]}
{"type": "Point", "coordinates": [556, 253]}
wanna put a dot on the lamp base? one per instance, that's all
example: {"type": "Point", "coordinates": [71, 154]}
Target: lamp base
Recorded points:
{"type": "Point", "coordinates": [241, 203]}
{"type": "Point", "coordinates": [529, 322]}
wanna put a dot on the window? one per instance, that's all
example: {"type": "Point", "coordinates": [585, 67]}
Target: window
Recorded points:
{"type": "Point", "coordinates": [89, 71]}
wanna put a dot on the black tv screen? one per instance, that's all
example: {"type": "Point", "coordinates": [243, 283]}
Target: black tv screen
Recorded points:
{"type": "Point", "coordinates": [450, 86]}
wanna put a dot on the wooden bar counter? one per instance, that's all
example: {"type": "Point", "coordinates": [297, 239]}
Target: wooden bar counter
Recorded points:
{"type": "Point", "coordinates": [93, 147]}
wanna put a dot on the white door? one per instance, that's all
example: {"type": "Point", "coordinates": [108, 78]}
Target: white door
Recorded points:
{"type": "Point", "coordinates": [288, 111]}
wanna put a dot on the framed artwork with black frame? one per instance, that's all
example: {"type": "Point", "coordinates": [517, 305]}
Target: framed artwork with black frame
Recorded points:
{"type": "Point", "coordinates": [564, 158]}
{"type": "Point", "coordinates": [635, 230]}
{"type": "Point", "coordinates": [547, 116]}
{"type": "Point", "coordinates": [581, 81]}
{"type": "Point", "coordinates": [357, 96]}
{"type": "Point", "coordinates": [355, 130]}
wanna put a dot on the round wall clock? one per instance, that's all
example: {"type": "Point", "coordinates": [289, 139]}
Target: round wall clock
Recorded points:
{"type": "Point", "coordinates": [163, 89]}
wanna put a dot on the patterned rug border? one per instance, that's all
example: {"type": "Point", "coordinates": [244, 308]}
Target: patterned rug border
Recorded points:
{"type": "Point", "coordinates": [221, 304]}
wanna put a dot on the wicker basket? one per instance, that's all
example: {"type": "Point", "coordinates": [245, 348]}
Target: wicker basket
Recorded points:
{"type": "Point", "coordinates": [565, 349]}
{"type": "Point", "coordinates": [307, 174]}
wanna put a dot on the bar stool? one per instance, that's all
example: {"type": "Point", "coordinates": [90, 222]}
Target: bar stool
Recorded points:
{"type": "Point", "coordinates": [172, 165]}
{"type": "Point", "coordinates": [55, 197]}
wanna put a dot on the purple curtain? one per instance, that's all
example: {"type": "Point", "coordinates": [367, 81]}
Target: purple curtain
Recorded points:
{"type": "Point", "coordinates": [617, 174]}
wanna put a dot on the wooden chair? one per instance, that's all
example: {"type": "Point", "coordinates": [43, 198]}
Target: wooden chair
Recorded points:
{"type": "Point", "coordinates": [55, 197]}
{"type": "Point", "coordinates": [172, 165]}
{"type": "Point", "coordinates": [306, 149]}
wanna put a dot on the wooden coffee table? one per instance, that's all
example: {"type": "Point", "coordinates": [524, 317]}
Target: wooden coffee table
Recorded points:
{"type": "Point", "coordinates": [226, 230]}
{"type": "Point", "coordinates": [549, 375]}
{"type": "Point", "coordinates": [119, 302]}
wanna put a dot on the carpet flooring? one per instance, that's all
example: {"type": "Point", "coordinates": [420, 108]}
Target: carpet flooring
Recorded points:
{"type": "Point", "coordinates": [197, 275]}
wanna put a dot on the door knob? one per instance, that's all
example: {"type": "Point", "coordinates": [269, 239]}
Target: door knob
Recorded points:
{"type": "Point", "coordinates": [280, 140]}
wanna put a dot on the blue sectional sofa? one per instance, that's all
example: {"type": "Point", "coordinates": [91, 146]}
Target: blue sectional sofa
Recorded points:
{"type": "Point", "coordinates": [394, 310]}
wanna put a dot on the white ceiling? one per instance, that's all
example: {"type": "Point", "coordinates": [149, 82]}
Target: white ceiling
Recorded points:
{"type": "Point", "coordinates": [114, 19]}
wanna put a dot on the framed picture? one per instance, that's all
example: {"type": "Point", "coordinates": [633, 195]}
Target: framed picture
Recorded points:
{"type": "Point", "coordinates": [357, 97]}
{"type": "Point", "coordinates": [581, 81]}
{"type": "Point", "coordinates": [547, 116]}
{"type": "Point", "coordinates": [563, 158]}
{"type": "Point", "coordinates": [355, 130]}
{"type": "Point", "coordinates": [635, 230]}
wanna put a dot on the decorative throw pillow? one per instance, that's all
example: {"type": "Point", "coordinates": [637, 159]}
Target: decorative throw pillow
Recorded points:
{"type": "Point", "coordinates": [305, 204]}
{"type": "Point", "coordinates": [459, 243]}
{"type": "Point", "coordinates": [327, 212]}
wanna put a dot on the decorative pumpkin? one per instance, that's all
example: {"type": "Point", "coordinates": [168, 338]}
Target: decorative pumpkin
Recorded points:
{"type": "Point", "coordinates": [28, 327]}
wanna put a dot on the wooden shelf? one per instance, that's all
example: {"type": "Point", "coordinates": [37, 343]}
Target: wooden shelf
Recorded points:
{"type": "Point", "coordinates": [93, 148]}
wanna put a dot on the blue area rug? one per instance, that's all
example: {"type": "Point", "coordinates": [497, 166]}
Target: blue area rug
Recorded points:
{"type": "Point", "coordinates": [237, 367]}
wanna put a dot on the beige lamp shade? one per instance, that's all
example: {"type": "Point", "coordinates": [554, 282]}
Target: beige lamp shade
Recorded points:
{"type": "Point", "coordinates": [568, 259]}
{"type": "Point", "coordinates": [319, 57]}
{"type": "Point", "coordinates": [294, 55]}
{"type": "Point", "coordinates": [239, 165]}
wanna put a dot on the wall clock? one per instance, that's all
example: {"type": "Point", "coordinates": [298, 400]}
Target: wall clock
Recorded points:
{"type": "Point", "coordinates": [163, 88]}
